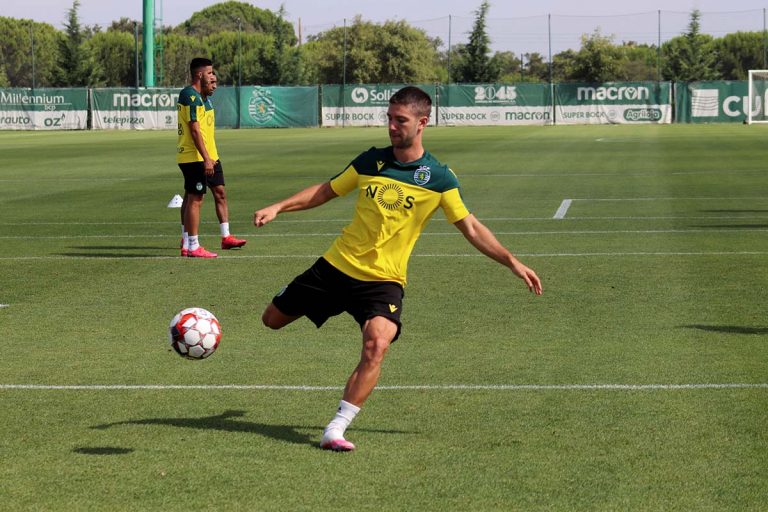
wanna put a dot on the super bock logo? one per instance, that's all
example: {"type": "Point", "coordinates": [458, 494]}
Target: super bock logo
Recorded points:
{"type": "Point", "coordinates": [261, 106]}
{"type": "Point", "coordinates": [422, 175]}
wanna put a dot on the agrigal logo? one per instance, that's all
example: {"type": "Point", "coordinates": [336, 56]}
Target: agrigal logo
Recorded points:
{"type": "Point", "coordinates": [612, 93]}
{"type": "Point", "coordinates": [143, 100]}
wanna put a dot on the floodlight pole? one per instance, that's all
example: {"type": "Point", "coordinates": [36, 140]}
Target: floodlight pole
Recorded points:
{"type": "Point", "coordinates": [149, 43]}
{"type": "Point", "coordinates": [136, 51]}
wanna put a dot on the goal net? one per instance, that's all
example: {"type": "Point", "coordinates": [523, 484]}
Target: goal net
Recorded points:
{"type": "Point", "coordinates": [758, 95]}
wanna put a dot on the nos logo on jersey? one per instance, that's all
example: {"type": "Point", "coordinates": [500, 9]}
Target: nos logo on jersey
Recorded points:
{"type": "Point", "coordinates": [389, 196]}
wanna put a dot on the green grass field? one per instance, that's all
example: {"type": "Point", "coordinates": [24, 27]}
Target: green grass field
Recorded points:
{"type": "Point", "coordinates": [638, 381]}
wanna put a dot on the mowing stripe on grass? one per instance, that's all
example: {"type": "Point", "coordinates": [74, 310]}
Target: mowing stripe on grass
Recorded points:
{"type": "Point", "coordinates": [416, 387]}
{"type": "Point", "coordinates": [96, 256]}
{"type": "Point", "coordinates": [740, 229]}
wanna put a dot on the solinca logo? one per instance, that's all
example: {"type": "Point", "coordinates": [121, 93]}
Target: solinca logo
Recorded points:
{"type": "Point", "coordinates": [390, 196]}
{"type": "Point", "coordinates": [359, 94]}
{"type": "Point", "coordinates": [422, 175]}
{"type": "Point", "coordinates": [261, 106]}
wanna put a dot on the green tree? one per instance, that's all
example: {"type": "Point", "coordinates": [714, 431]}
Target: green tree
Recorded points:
{"type": "Point", "coordinates": [232, 16]}
{"type": "Point", "coordinates": [178, 51]}
{"type": "Point", "coordinates": [690, 57]}
{"type": "Point", "coordinates": [477, 66]}
{"type": "Point", "coordinates": [19, 38]}
{"type": "Point", "coordinates": [114, 55]}
{"type": "Point", "coordinates": [737, 53]}
{"type": "Point", "coordinates": [76, 66]}
{"type": "Point", "coordinates": [563, 65]}
{"type": "Point", "coordinates": [509, 65]}
{"type": "Point", "coordinates": [376, 53]}
{"type": "Point", "coordinates": [640, 62]}
{"type": "Point", "coordinates": [536, 68]}
{"type": "Point", "coordinates": [598, 60]}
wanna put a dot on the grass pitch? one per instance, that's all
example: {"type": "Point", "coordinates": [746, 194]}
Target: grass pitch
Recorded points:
{"type": "Point", "coordinates": [638, 381]}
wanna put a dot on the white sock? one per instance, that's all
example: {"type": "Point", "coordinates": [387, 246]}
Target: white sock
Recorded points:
{"type": "Point", "coordinates": [184, 238]}
{"type": "Point", "coordinates": [224, 229]}
{"type": "Point", "coordinates": [338, 425]}
{"type": "Point", "coordinates": [193, 243]}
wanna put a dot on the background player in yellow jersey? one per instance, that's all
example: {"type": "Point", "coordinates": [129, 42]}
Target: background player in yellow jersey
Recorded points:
{"type": "Point", "coordinates": [198, 159]}
{"type": "Point", "coordinates": [364, 271]}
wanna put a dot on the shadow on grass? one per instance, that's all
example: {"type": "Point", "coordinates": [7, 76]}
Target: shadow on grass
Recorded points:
{"type": "Point", "coordinates": [116, 251]}
{"type": "Point", "coordinates": [226, 423]}
{"type": "Point", "coordinates": [102, 450]}
{"type": "Point", "coordinates": [729, 329]}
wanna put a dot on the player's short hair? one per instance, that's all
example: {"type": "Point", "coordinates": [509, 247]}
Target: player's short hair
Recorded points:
{"type": "Point", "coordinates": [415, 98]}
{"type": "Point", "coordinates": [197, 63]}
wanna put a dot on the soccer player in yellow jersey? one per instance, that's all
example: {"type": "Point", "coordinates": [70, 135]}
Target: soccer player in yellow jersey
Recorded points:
{"type": "Point", "coordinates": [198, 160]}
{"type": "Point", "coordinates": [398, 189]}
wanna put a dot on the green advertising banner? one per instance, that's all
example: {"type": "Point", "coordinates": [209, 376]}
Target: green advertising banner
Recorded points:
{"type": "Point", "coordinates": [278, 107]}
{"type": "Point", "coordinates": [155, 109]}
{"type": "Point", "coordinates": [362, 104]}
{"type": "Point", "coordinates": [134, 109]}
{"type": "Point", "coordinates": [43, 109]}
{"type": "Point", "coordinates": [614, 103]}
{"type": "Point", "coordinates": [717, 101]}
{"type": "Point", "coordinates": [494, 104]}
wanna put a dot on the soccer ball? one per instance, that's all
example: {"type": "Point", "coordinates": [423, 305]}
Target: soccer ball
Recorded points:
{"type": "Point", "coordinates": [194, 333]}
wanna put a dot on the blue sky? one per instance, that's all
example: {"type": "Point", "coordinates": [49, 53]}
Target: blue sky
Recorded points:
{"type": "Point", "coordinates": [513, 26]}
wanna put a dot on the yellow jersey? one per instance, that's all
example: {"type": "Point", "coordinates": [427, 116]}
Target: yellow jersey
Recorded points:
{"type": "Point", "coordinates": [394, 203]}
{"type": "Point", "coordinates": [192, 107]}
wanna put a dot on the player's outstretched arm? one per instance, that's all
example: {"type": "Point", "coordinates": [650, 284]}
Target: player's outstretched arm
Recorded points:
{"type": "Point", "coordinates": [485, 241]}
{"type": "Point", "coordinates": [308, 198]}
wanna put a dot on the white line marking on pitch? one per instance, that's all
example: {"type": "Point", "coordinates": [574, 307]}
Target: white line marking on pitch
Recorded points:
{"type": "Point", "coordinates": [560, 213]}
{"type": "Point", "coordinates": [426, 387]}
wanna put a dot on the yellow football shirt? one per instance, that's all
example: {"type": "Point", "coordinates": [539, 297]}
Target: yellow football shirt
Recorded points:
{"type": "Point", "coordinates": [192, 107]}
{"type": "Point", "coordinates": [394, 203]}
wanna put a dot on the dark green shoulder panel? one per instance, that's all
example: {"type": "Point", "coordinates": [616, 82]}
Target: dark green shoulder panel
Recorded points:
{"type": "Point", "coordinates": [426, 172]}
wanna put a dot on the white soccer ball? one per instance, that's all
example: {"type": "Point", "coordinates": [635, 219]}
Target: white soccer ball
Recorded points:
{"type": "Point", "coordinates": [194, 333]}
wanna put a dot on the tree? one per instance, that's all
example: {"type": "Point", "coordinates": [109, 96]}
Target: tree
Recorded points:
{"type": "Point", "coordinates": [376, 53]}
{"type": "Point", "coordinates": [114, 55]}
{"type": "Point", "coordinates": [690, 57]}
{"type": "Point", "coordinates": [76, 67]}
{"type": "Point", "coordinates": [598, 60]}
{"type": "Point", "coordinates": [19, 38]}
{"type": "Point", "coordinates": [509, 65]}
{"type": "Point", "coordinates": [476, 65]}
{"type": "Point", "coordinates": [536, 68]}
{"type": "Point", "coordinates": [737, 53]}
{"type": "Point", "coordinates": [640, 62]}
{"type": "Point", "coordinates": [233, 16]}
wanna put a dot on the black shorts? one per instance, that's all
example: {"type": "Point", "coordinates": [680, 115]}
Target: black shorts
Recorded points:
{"type": "Point", "coordinates": [195, 180]}
{"type": "Point", "coordinates": [324, 291]}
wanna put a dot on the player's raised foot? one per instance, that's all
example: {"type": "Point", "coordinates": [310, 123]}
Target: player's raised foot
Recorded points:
{"type": "Point", "coordinates": [200, 252]}
{"type": "Point", "coordinates": [230, 242]}
{"type": "Point", "coordinates": [337, 445]}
